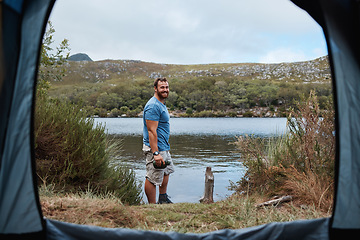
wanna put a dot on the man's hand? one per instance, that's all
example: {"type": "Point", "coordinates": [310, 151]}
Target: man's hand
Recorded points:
{"type": "Point", "coordinates": [159, 161]}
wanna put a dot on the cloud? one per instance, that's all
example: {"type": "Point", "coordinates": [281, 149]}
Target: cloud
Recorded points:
{"type": "Point", "coordinates": [283, 55]}
{"type": "Point", "coordinates": [319, 52]}
{"type": "Point", "coordinates": [184, 31]}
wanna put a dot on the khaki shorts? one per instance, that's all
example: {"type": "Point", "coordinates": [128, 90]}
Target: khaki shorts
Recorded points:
{"type": "Point", "coordinates": [155, 176]}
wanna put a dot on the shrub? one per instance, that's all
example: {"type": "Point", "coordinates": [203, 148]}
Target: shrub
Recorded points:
{"type": "Point", "coordinates": [114, 113]}
{"type": "Point", "coordinates": [101, 112]}
{"type": "Point", "coordinates": [300, 163]}
{"type": "Point", "coordinates": [189, 111]}
{"type": "Point", "coordinates": [73, 154]}
{"type": "Point", "coordinates": [248, 114]}
{"type": "Point", "coordinates": [133, 113]}
{"type": "Point", "coordinates": [124, 109]}
{"type": "Point", "coordinates": [204, 114]}
{"type": "Point", "coordinates": [232, 114]}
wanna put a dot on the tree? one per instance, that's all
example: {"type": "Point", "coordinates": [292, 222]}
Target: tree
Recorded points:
{"type": "Point", "coordinates": [108, 101]}
{"type": "Point", "coordinates": [287, 93]}
{"type": "Point", "coordinates": [52, 60]}
{"type": "Point", "coordinates": [268, 94]}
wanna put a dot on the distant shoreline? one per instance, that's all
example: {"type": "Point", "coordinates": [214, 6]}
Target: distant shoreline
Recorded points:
{"type": "Point", "coordinates": [257, 112]}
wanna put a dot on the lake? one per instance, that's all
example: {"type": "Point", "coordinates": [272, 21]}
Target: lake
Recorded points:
{"type": "Point", "coordinates": [196, 143]}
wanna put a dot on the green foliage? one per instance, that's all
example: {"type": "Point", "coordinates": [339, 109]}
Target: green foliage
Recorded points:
{"type": "Point", "coordinates": [74, 154]}
{"type": "Point", "coordinates": [189, 111]}
{"type": "Point", "coordinates": [114, 112]}
{"type": "Point", "coordinates": [52, 60]}
{"type": "Point", "coordinates": [108, 101]}
{"type": "Point", "coordinates": [300, 163]}
{"type": "Point", "coordinates": [215, 87]}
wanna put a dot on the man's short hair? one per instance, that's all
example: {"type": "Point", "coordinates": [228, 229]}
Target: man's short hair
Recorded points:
{"type": "Point", "coordinates": [160, 79]}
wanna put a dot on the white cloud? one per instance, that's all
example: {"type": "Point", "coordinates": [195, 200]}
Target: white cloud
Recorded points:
{"type": "Point", "coordinates": [283, 55]}
{"type": "Point", "coordinates": [319, 52]}
{"type": "Point", "coordinates": [184, 31]}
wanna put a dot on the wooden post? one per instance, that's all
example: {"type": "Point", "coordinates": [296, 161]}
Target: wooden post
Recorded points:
{"type": "Point", "coordinates": [209, 187]}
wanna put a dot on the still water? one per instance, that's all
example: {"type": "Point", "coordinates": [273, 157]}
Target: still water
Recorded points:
{"type": "Point", "coordinates": [196, 143]}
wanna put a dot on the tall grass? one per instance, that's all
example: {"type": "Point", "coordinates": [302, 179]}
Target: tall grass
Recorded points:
{"type": "Point", "coordinates": [300, 163]}
{"type": "Point", "coordinates": [74, 155]}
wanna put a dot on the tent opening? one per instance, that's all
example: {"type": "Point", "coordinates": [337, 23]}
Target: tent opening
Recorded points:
{"type": "Point", "coordinates": [221, 86]}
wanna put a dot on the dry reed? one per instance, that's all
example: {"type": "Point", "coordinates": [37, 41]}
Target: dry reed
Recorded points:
{"type": "Point", "coordinates": [300, 163]}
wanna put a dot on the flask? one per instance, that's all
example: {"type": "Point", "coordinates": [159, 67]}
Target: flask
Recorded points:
{"type": "Point", "coordinates": [162, 165]}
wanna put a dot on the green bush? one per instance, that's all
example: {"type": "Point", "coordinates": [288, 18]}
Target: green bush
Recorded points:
{"type": "Point", "coordinates": [101, 112]}
{"type": "Point", "coordinates": [248, 114]}
{"type": "Point", "coordinates": [73, 154]}
{"type": "Point", "coordinates": [114, 113]}
{"type": "Point", "coordinates": [124, 109]}
{"type": "Point", "coordinates": [204, 114]}
{"type": "Point", "coordinates": [232, 114]}
{"type": "Point", "coordinates": [189, 111]}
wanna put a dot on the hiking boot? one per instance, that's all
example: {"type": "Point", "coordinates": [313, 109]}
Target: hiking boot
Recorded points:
{"type": "Point", "coordinates": [164, 199]}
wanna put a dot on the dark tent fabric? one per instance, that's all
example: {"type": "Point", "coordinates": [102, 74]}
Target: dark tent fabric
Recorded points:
{"type": "Point", "coordinates": [22, 27]}
{"type": "Point", "coordinates": [340, 21]}
{"type": "Point", "coordinates": [310, 229]}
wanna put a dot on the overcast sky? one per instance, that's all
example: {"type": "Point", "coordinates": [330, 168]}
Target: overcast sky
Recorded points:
{"type": "Point", "coordinates": [189, 31]}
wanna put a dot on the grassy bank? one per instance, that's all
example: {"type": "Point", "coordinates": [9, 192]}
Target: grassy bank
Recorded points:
{"type": "Point", "coordinates": [233, 213]}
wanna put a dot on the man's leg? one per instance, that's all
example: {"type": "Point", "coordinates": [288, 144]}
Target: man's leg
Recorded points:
{"type": "Point", "coordinates": [163, 197]}
{"type": "Point", "coordinates": [163, 187]}
{"type": "Point", "coordinates": [150, 191]}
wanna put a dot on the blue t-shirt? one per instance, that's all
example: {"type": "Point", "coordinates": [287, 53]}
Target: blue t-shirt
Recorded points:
{"type": "Point", "coordinates": [156, 111]}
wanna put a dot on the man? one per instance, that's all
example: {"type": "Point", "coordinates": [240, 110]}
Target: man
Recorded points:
{"type": "Point", "coordinates": [156, 145]}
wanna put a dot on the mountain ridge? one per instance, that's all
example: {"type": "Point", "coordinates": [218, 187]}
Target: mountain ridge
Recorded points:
{"type": "Point", "coordinates": [103, 70]}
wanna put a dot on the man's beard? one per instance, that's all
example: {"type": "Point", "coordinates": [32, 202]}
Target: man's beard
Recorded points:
{"type": "Point", "coordinates": [163, 95]}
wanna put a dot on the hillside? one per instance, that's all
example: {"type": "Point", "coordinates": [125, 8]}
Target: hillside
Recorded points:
{"type": "Point", "coordinates": [100, 71]}
{"type": "Point", "coordinates": [103, 86]}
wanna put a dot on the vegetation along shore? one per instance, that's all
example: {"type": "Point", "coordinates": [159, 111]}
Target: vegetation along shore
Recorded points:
{"type": "Point", "coordinates": [113, 88]}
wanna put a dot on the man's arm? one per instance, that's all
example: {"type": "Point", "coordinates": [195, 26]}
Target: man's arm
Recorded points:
{"type": "Point", "coordinates": [151, 127]}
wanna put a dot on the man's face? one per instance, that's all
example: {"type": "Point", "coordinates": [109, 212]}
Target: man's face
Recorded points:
{"type": "Point", "coordinates": [162, 90]}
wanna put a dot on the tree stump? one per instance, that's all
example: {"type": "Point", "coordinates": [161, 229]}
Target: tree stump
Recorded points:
{"type": "Point", "coordinates": [209, 187]}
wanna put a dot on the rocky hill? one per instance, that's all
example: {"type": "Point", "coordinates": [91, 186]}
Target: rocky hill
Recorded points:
{"type": "Point", "coordinates": [99, 71]}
